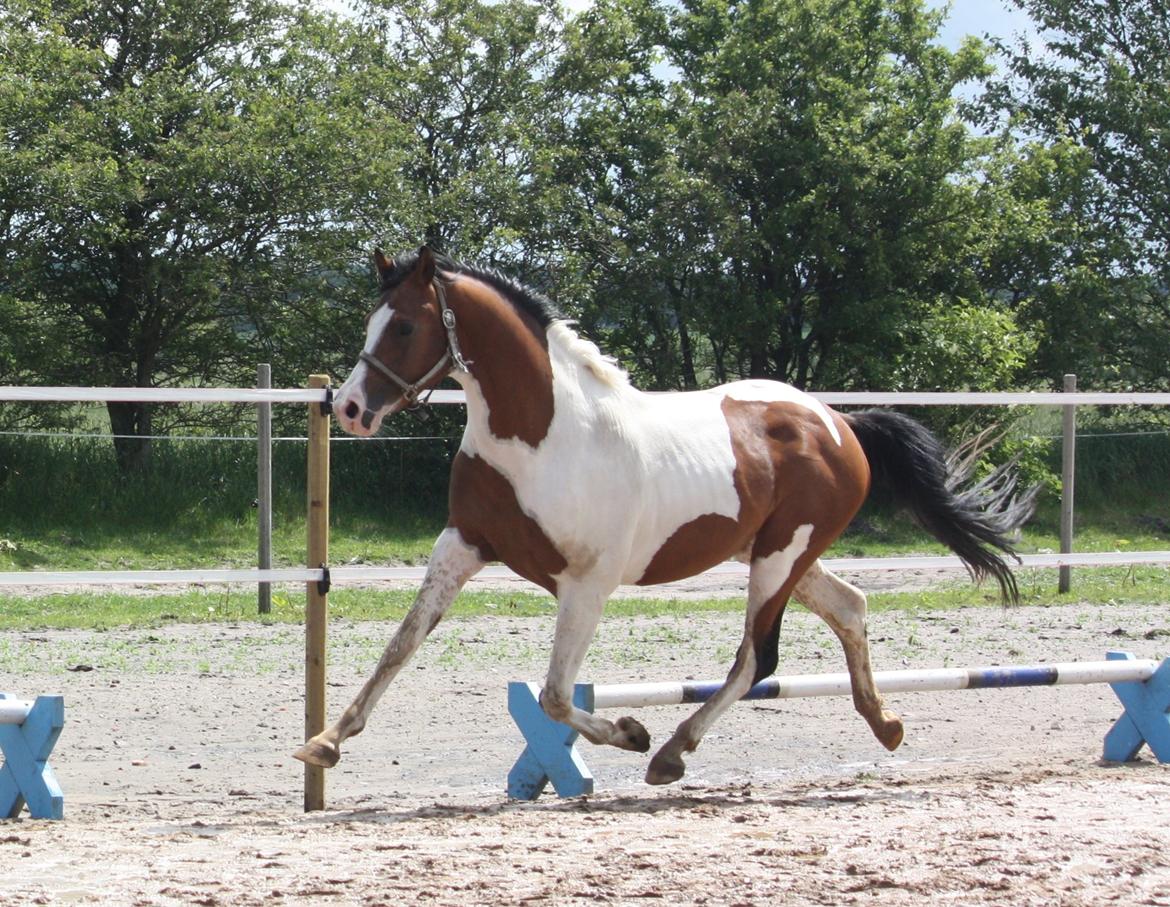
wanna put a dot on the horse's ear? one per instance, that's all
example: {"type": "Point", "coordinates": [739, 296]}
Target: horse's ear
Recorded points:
{"type": "Point", "coordinates": [426, 264]}
{"type": "Point", "coordinates": [384, 265]}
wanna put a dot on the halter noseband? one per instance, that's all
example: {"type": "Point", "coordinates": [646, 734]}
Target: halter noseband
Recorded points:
{"type": "Point", "coordinates": [452, 356]}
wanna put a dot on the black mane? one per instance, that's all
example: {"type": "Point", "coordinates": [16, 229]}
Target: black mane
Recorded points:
{"type": "Point", "coordinates": [524, 297]}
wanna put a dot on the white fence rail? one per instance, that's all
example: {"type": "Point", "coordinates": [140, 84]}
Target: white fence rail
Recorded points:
{"type": "Point", "coordinates": [10, 394]}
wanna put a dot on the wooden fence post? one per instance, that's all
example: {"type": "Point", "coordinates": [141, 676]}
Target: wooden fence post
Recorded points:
{"type": "Point", "coordinates": [264, 486]}
{"type": "Point", "coordinates": [1068, 455]}
{"type": "Point", "coordinates": [317, 594]}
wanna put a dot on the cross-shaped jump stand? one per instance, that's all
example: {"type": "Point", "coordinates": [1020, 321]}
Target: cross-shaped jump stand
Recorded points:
{"type": "Point", "coordinates": [1146, 719]}
{"type": "Point", "coordinates": [550, 754]}
{"type": "Point", "coordinates": [25, 774]}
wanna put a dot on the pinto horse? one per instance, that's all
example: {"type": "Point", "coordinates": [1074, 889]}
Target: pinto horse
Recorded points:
{"type": "Point", "coordinates": [581, 483]}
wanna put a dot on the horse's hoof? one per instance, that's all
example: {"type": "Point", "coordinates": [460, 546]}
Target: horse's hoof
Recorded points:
{"type": "Point", "coordinates": [665, 768]}
{"type": "Point", "coordinates": [633, 735]}
{"type": "Point", "coordinates": [316, 752]}
{"type": "Point", "coordinates": [890, 732]}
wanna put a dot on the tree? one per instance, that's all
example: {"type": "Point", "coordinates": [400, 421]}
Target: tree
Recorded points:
{"type": "Point", "coordinates": [165, 165]}
{"type": "Point", "coordinates": [1093, 100]}
{"type": "Point", "coordinates": [468, 82]}
{"type": "Point", "coordinates": [794, 200]}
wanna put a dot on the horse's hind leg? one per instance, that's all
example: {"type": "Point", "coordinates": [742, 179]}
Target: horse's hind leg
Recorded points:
{"type": "Point", "coordinates": [578, 612]}
{"type": "Point", "coordinates": [453, 562]}
{"type": "Point", "coordinates": [842, 607]}
{"type": "Point", "coordinates": [773, 577]}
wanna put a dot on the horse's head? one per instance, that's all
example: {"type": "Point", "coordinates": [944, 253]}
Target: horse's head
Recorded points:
{"type": "Point", "coordinates": [410, 345]}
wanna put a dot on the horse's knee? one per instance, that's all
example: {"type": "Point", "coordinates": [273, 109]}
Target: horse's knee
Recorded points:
{"type": "Point", "coordinates": [556, 704]}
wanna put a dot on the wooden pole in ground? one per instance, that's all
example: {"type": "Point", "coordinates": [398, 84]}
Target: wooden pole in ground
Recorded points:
{"type": "Point", "coordinates": [264, 486]}
{"type": "Point", "coordinates": [1068, 472]}
{"type": "Point", "coordinates": [317, 597]}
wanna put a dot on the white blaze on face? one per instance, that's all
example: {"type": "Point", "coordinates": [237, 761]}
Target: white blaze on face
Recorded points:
{"type": "Point", "coordinates": [771, 572]}
{"type": "Point", "coordinates": [351, 395]}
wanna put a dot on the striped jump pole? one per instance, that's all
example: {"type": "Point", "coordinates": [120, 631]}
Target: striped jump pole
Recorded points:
{"type": "Point", "coordinates": [28, 732]}
{"type": "Point", "coordinates": [551, 755]}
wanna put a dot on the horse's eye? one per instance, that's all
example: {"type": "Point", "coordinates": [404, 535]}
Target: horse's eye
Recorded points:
{"type": "Point", "coordinates": [405, 329]}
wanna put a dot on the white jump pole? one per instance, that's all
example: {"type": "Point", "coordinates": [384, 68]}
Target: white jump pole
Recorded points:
{"type": "Point", "coordinates": [14, 711]}
{"type": "Point", "coordinates": [639, 695]}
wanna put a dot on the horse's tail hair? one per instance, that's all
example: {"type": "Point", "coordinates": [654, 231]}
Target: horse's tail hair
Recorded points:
{"type": "Point", "coordinates": [976, 520]}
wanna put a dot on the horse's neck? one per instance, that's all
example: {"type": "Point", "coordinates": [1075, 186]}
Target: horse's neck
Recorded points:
{"type": "Point", "coordinates": [509, 387]}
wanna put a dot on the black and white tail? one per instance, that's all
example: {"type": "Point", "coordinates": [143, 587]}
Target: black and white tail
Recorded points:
{"type": "Point", "coordinates": [976, 521]}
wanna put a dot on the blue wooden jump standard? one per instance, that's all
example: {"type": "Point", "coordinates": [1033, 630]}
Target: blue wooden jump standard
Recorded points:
{"type": "Point", "coordinates": [1146, 719]}
{"type": "Point", "coordinates": [551, 754]}
{"type": "Point", "coordinates": [27, 737]}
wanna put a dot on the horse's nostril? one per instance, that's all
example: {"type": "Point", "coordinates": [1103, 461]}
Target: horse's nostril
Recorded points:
{"type": "Point", "coordinates": [352, 410]}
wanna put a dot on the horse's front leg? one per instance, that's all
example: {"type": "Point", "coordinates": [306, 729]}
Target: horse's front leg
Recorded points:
{"type": "Point", "coordinates": [453, 562]}
{"type": "Point", "coordinates": [578, 612]}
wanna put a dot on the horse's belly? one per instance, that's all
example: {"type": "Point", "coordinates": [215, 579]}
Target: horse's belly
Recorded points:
{"type": "Point", "coordinates": [696, 546]}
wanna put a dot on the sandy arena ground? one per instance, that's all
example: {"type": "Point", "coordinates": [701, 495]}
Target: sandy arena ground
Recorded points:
{"type": "Point", "coordinates": [180, 788]}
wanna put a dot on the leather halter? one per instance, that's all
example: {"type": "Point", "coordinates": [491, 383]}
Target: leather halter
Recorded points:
{"type": "Point", "coordinates": [452, 356]}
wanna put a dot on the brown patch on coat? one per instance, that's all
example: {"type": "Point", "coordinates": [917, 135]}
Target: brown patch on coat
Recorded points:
{"type": "Point", "coordinates": [788, 471]}
{"type": "Point", "coordinates": [508, 354]}
{"type": "Point", "coordinates": [485, 510]}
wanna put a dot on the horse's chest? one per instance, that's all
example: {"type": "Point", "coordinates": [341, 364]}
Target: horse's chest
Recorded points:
{"type": "Point", "coordinates": [488, 514]}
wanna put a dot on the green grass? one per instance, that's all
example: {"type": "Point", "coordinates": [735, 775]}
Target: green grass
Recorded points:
{"type": "Point", "coordinates": [64, 506]}
{"type": "Point", "coordinates": [1099, 587]}
{"type": "Point", "coordinates": [398, 537]}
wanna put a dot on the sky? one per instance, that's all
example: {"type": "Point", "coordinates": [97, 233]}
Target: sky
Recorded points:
{"type": "Point", "coordinates": [967, 17]}
{"type": "Point", "coordinates": [980, 17]}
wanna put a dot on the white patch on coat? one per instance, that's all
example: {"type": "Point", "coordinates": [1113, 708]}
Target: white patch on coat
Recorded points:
{"type": "Point", "coordinates": [619, 471]}
{"type": "Point", "coordinates": [770, 573]}
{"type": "Point", "coordinates": [757, 391]}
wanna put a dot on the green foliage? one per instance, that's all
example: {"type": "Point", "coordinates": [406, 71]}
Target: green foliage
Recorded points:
{"type": "Point", "coordinates": [955, 344]}
{"type": "Point", "coordinates": [1094, 100]}
{"type": "Point", "coordinates": [794, 201]}
{"type": "Point", "coordinates": [157, 158]}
